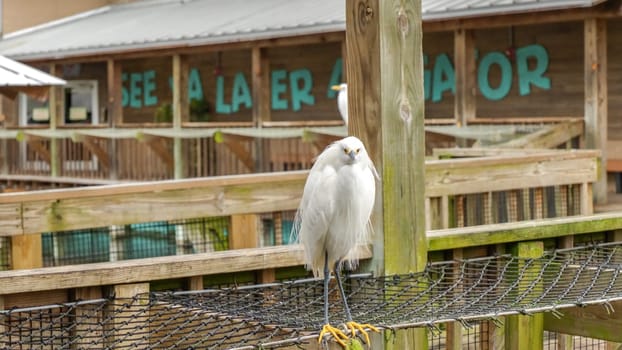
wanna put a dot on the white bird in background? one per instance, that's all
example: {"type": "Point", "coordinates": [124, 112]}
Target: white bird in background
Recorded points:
{"type": "Point", "coordinates": [333, 218]}
{"type": "Point", "coordinates": [342, 100]}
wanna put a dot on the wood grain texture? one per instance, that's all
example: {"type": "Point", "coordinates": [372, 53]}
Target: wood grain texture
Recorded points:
{"type": "Point", "coordinates": [59, 210]}
{"type": "Point", "coordinates": [595, 71]}
{"type": "Point", "coordinates": [152, 269]}
{"type": "Point", "coordinates": [525, 230]}
{"type": "Point", "coordinates": [466, 76]}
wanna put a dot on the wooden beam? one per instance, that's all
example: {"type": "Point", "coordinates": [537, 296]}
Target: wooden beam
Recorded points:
{"type": "Point", "coordinates": [159, 146]}
{"type": "Point", "coordinates": [548, 137]}
{"type": "Point", "coordinates": [26, 252]}
{"type": "Point", "coordinates": [125, 309]}
{"type": "Point", "coordinates": [244, 231]}
{"type": "Point", "coordinates": [592, 321]}
{"type": "Point", "coordinates": [238, 145]}
{"type": "Point", "coordinates": [56, 107]}
{"type": "Point", "coordinates": [526, 331]}
{"type": "Point", "coordinates": [71, 209]}
{"type": "Point", "coordinates": [103, 157]}
{"type": "Point", "coordinates": [466, 76]}
{"type": "Point", "coordinates": [113, 79]}
{"type": "Point", "coordinates": [261, 85]}
{"type": "Point", "coordinates": [385, 102]}
{"type": "Point", "coordinates": [181, 111]}
{"type": "Point", "coordinates": [482, 235]}
{"type": "Point", "coordinates": [458, 176]}
{"type": "Point", "coordinates": [595, 71]}
{"type": "Point", "coordinates": [151, 269]}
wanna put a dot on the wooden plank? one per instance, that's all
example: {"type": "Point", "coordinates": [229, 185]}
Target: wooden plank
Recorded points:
{"type": "Point", "coordinates": [87, 334]}
{"type": "Point", "coordinates": [26, 252]}
{"type": "Point", "coordinates": [181, 111]}
{"type": "Point", "coordinates": [70, 209]}
{"type": "Point", "coordinates": [592, 321]}
{"type": "Point", "coordinates": [548, 137]}
{"type": "Point", "coordinates": [466, 76]}
{"type": "Point", "coordinates": [385, 102]}
{"type": "Point", "coordinates": [103, 157]}
{"type": "Point", "coordinates": [126, 313]}
{"type": "Point", "coordinates": [236, 144]}
{"type": "Point", "coordinates": [595, 72]}
{"type": "Point", "coordinates": [244, 231]}
{"type": "Point", "coordinates": [159, 146]}
{"type": "Point", "coordinates": [526, 331]}
{"type": "Point", "coordinates": [463, 176]}
{"type": "Point", "coordinates": [115, 108]}
{"type": "Point", "coordinates": [261, 88]}
{"type": "Point", "coordinates": [56, 107]}
{"type": "Point", "coordinates": [527, 230]}
{"type": "Point", "coordinates": [152, 269]}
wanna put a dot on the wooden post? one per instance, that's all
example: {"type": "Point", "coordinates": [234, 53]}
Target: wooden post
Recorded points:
{"type": "Point", "coordinates": [526, 331]}
{"type": "Point", "coordinates": [56, 116]}
{"type": "Point", "coordinates": [595, 70]}
{"type": "Point", "coordinates": [88, 333]}
{"type": "Point", "coordinates": [126, 316]}
{"type": "Point", "coordinates": [261, 96]}
{"type": "Point", "coordinates": [464, 63]}
{"type": "Point", "coordinates": [245, 234]}
{"type": "Point", "coordinates": [26, 251]}
{"type": "Point", "coordinates": [454, 329]}
{"type": "Point", "coordinates": [386, 110]}
{"type": "Point", "coordinates": [115, 110]}
{"type": "Point", "coordinates": [180, 110]}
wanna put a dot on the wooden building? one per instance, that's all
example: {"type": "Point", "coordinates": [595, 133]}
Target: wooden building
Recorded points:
{"type": "Point", "coordinates": [151, 82]}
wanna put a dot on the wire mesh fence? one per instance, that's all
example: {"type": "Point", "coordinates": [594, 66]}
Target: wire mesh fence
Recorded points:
{"type": "Point", "coordinates": [152, 239]}
{"type": "Point", "coordinates": [291, 313]}
{"type": "Point", "coordinates": [5, 253]}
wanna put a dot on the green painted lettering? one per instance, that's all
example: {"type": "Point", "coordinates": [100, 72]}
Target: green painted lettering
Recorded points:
{"type": "Point", "coordinates": [241, 93]}
{"type": "Point", "coordinates": [278, 87]}
{"type": "Point", "coordinates": [301, 83]}
{"type": "Point", "coordinates": [335, 78]}
{"type": "Point", "coordinates": [125, 98]}
{"type": "Point", "coordinates": [148, 87]}
{"type": "Point", "coordinates": [536, 76]}
{"type": "Point", "coordinates": [195, 87]}
{"type": "Point", "coordinates": [506, 76]}
{"type": "Point", "coordinates": [443, 77]}
{"type": "Point", "coordinates": [221, 106]}
{"type": "Point", "coordinates": [135, 90]}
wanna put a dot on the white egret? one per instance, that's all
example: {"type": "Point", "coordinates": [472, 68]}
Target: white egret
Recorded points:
{"type": "Point", "coordinates": [342, 100]}
{"type": "Point", "coordinates": [333, 219]}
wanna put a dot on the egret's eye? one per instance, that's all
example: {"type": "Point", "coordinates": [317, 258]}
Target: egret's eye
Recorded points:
{"type": "Point", "coordinates": [358, 150]}
{"type": "Point", "coordinates": [346, 151]}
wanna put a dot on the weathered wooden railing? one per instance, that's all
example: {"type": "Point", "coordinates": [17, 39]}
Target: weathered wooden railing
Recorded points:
{"type": "Point", "coordinates": [24, 215]}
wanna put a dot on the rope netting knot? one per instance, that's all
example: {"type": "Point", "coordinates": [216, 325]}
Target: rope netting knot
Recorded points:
{"type": "Point", "coordinates": [289, 313]}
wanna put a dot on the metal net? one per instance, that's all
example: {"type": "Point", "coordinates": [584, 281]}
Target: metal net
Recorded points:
{"type": "Point", "coordinates": [290, 313]}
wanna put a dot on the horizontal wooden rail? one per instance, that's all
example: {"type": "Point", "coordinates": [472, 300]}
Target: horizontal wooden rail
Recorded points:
{"type": "Point", "coordinates": [152, 269]}
{"type": "Point", "coordinates": [464, 237]}
{"type": "Point", "coordinates": [78, 208]}
{"type": "Point", "coordinates": [507, 172]}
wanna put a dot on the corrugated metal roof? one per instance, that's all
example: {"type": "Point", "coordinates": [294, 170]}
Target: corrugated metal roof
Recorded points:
{"type": "Point", "coordinates": [165, 23]}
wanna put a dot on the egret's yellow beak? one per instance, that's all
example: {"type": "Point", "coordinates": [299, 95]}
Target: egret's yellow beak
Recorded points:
{"type": "Point", "coordinates": [335, 87]}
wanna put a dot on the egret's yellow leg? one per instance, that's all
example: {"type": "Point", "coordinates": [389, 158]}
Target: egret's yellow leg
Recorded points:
{"type": "Point", "coordinates": [354, 326]}
{"type": "Point", "coordinates": [339, 336]}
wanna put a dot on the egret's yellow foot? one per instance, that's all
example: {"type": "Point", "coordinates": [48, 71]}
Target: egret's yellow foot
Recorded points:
{"type": "Point", "coordinates": [354, 326]}
{"type": "Point", "coordinates": [338, 334]}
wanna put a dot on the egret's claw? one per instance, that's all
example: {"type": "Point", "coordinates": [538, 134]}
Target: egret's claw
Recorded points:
{"type": "Point", "coordinates": [354, 326]}
{"type": "Point", "coordinates": [337, 334]}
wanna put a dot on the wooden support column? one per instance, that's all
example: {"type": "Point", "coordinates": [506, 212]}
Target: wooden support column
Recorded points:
{"type": "Point", "coordinates": [526, 331]}
{"type": "Point", "coordinates": [115, 110]}
{"type": "Point", "coordinates": [181, 110]}
{"type": "Point", "coordinates": [56, 118]}
{"type": "Point", "coordinates": [245, 234]}
{"type": "Point", "coordinates": [261, 103]}
{"type": "Point", "coordinates": [88, 333]}
{"type": "Point", "coordinates": [125, 315]}
{"type": "Point", "coordinates": [595, 70]}
{"type": "Point", "coordinates": [464, 63]}
{"type": "Point", "coordinates": [386, 110]}
{"type": "Point", "coordinates": [26, 251]}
